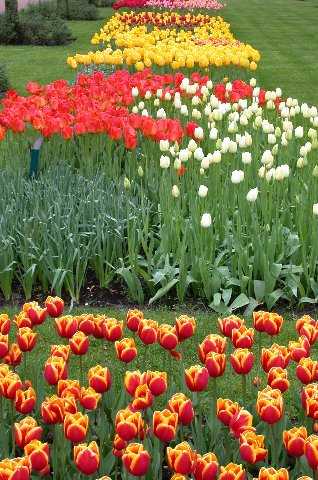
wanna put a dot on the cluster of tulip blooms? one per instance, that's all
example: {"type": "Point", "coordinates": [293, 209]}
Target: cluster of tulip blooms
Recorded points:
{"type": "Point", "coordinates": [99, 104]}
{"type": "Point", "coordinates": [167, 39]}
{"type": "Point", "coordinates": [169, 4]}
{"type": "Point", "coordinates": [132, 437]}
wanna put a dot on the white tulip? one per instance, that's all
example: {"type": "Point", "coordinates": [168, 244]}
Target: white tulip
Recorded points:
{"type": "Point", "coordinates": [299, 132]}
{"type": "Point", "coordinates": [184, 155]}
{"type": "Point", "coordinates": [148, 95]}
{"type": "Point", "coordinates": [198, 154]}
{"type": "Point", "coordinates": [177, 164]}
{"type": "Point", "coordinates": [177, 103]}
{"type": "Point", "coordinates": [135, 92]}
{"type": "Point", "coordinates": [203, 191]}
{"type": "Point", "coordinates": [267, 157]}
{"type": "Point", "coordinates": [315, 209]}
{"type": "Point", "coordinates": [198, 133]}
{"type": "Point", "coordinates": [206, 220]}
{"type": "Point", "coordinates": [216, 157]}
{"type": "Point", "coordinates": [126, 183]}
{"type": "Point", "coordinates": [145, 113]}
{"type": "Point", "coordinates": [184, 110]}
{"type": "Point", "coordinates": [256, 91]}
{"type": "Point", "coordinates": [159, 93]}
{"type": "Point", "coordinates": [253, 82]}
{"type": "Point", "coordinates": [156, 102]}
{"type": "Point", "coordinates": [237, 176]}
{"type": "Point", "coordinates": [161, 113]}
{"type": "Point", "coordinates": [185, 83]}
{"type": "Point", "coordinates": [167, 96]}
{"type": "Point", "coordinates": [213, 133]}
{"type": "Point", "coordinates": [271, 139]}
{"type": "Point", "coordinates": [261, 172]}
{"type": "Point", "coordinates": [232, 128]}
{"type": "Point", "coordinates": [140, 171]}
{"type": "Point", "coordinates": [164, 145]}
{"type": "Point", "coordinates": [196, 114]}
{"type": "Point", "coordinates": [270, 174]}
{"type": "Point", "coordinates": [135, 109]}
{"type": "Point", "coordinates": [164, 161]}
{"type": "Point", "coordinates": [246, 158]}
{"type": "Point", "coordinates": [192, 145]}
{"type": "Point", "coordinates": [195, 100]}
{"type": "Point", "coordinates": [175, 191]}
{"type": "Point", "coordinates": [232, 147]}
{"type": "Point", "coordinates": [141, 105]}
{"type": "Point", "coordinates": [252, 195]}
{"type": "Point", "coordinates": [209, 84]}
{"type": "Point", "coordinates": [312, 133]}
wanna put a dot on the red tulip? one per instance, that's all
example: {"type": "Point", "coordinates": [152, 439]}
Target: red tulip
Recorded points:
{"type": "Point", "coordinates": [148, 331]}
{"type": "Point", "coordinates": [26, 339]}
{"type": "Point", "coordinates": [277, 378]}
{"type": "Point", "coordinates": [196, 378]}
{"type": "Point", "coordinates": [228, 324]}
{"type": "Point", "coordinates": [79, 343]}
{"type": "Point", "coordinates": [99, 378]}
{"type": "Point", "coordinates": [38, 454]}
{"type": "Point", "coordinates": [185, 327]}
{"type": "Point", "coordinates": [215, 364]}
{"type": "Point", "coordinates": [136, 459]}
{"type": "Point", "coordinates": [26, 430]}
{"type": "Point", "coordinates": [113, 329]}
{"type": "Point", "coordinates": [242, 361]}
{"type": "Point", "coordinates": [269, 405]}
{"type": "Point", "coordinates": [55, 369]}
{"type": "Point", "coordinates": [25, 400]}
{"type": "Point", "coordinates": [294, 441]}
{"type": "Point", "coordinates": [66, 326]}
{"type": "Point", "coordinates": [54, 306]}
{"type": "Point", "coordinates": [36, 314]}
{"type": "Point", "coordinates": [5, 324]}
{"type": "Point", "coordinates": [211, 343]}
{"type": "Point", "coordinates": [182, 406]}
{"type": "Point", "coordinates": [86, 457]}
{"type": "Point", "coordinates": [165, 425]}
{"type": "Point", "coordinates": [133, 319]}
{"type": "Point", "coordinates": [126, 350]}
{"type": "Point", "coordinates": [243, 337]}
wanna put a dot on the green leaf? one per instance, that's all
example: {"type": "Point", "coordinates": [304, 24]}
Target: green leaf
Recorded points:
{"type": "Point", "coordinates": [259, 289]}
{"type": "Point", "coordinates": [239, 302]}
{"type": "Point", "coordinates": [163, 290]}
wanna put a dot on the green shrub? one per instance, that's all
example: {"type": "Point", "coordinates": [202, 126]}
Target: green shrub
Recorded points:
{"type": "Point", "coordinates": [4, 81]}
{"type": "Point", "coordinates": [79, 10]}
{"type": "Point", "coordinates": [8, 31]}
{"type": "Point", "coordinates": [41, 29]}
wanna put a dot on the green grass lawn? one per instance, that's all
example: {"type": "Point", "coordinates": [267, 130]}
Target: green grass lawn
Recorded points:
{"type": "Point", "coordinates": [284, 31]}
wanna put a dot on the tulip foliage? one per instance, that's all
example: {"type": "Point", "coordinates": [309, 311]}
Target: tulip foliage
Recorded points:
{"type": "Point", "coordinates": [187, 420]}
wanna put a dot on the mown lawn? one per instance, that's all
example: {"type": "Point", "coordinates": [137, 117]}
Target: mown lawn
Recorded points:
{"type": "Point", "coordinates": [285, 32]}
{"type": "Point", "coordinates": [102, 352]}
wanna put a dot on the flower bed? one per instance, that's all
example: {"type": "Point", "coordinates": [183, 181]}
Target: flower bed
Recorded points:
{"type": "Point", "coordinates": [168, 40]}
{"type": "Point", "coordinates": [224, 168]}
{"type": "Point", "coordinates": [169, 4]}
{"type": "Point", "coordinates": [148, 423]}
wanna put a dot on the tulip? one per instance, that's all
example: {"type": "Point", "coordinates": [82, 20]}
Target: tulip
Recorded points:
{"type": "Point", "coordinates": [66, 326]}
{"type": "Point", "coordinates": [206, 467]}
{"type": "Point", "coordinates": [133, 319]}
{"type": "Point", "coordinates": [228, 324]}
{"type": "Point", "coordinates": [9, 385]}
{"type": "Point", "coordinates": [55, 369]}
{"type": "Point", "coordinates": [86, 457]}
{"type": "Point", "coordinates": [277, 378]}
{"type": "Point", "coordinates": [25, 400]}
{"type": "Point", "coordinates": [310, 332]}
{"type": "Point", "coordinates": [242, 361]}
{"type": "Point", "coordinates": [178, 476]}
{"type": "Point", "coordinates": [113, 329]}
{"type": "Point", "coordinates": [38, 454]}
{"type": "Point", "coordinates": [165, 425]}
{"type": "Point", "coordinates": [243, 337]}
{"type": "Point", "coordinates": [104, 477]}
{"type": "Point", "coordinates": [75, 427]}
{"type": "Point", "coordinates": [99, 378]}
{"type": "Point", "coordinates": [273, 474]}
{"type": "Point", "coordinates": [26, 430]}
{"type": "Point", "coordinates": [119, 446]}
{"type": "Point", "coordinates": [5, 324]}
{"type": "Point", "coordinates": [167, 337]}
{"type": "Point", "coordinates": [136, 459]}
{"type": "Point", "coordinates": [211, 343]}
{"type": "Point", "coordinates": [143, 398]}
{"type": "Point", "coordinates": [252, 447]}
{"type": "Point", "coordinates": [275, 356]}
{"type": "Point", "coordinates": [148, 331]}
{"type": "Point", "coordinates": [22, 320]}
{"type": "Point", "coordinates": [15, 469]}
{"type": "Point", "coordinates": [181, 458]}
{"type": "Point", "coordinates": [86, 324]}
{"type": "Point", "coordinates": [62, 351]}
{"type": "Point", "coordinates": [99, 322]}
{"type": "Point", "coordinates": [241, 421]}
{"type": "Point", "coordinates": [299, 349]}
{"type": "Point", "coordinates": [307, 370]}
{"type": "Point", "coordinates": [53, 410]}
{"type": "Point", "coordinates": [26, 339]}
{"type": "Point", "coordinates": [89, 398]}
{"type": "Point", "coordinates": [14, 355]}
{"type": "Point", "coordinates": [54, 306]}
{"type": "Point", "coordinates": [79, 343]}
{"type": "Point", "coordinates": [305, 319]}
{"type": "Point", "coordinates": [226, 410]}
{"type": "Point", "coordinates": [310, 401]}
{"type": "Point", "coordinates": [128, 424]}
{"type": "Point", "coordinates": [269, 405]}
{"type": "Point", "coordinates": [196, 378]}
{"type": "Point", "coordinates": [132, 380]}
{"type": "Point", "coordinates": [156, 381]}
{"type": "Point", "coordinates": [36, 314]}
{"type": "Point", "coordinates": [69, 388]}
{"type": "Point", "coordinates": [268, 322]}
{"type": "Point", "coordinates": [294, 441]}
{"type": "Point", "coordinates": [311, 451]}
{"type": "Point", "coordinates": [215, 364]}
{"type": "Point", "coordinates": [4, 370]}
{"type": "Point", "coordinates": [185, 327]}
{"type": "Point", "coordinates": [232, 471]}
{"type": "Point", "coordinates": [126, 350]}
{"type": "Point", "coordinates": [4, 345]}
{"type": "Point", "coordinates": [182, 406]}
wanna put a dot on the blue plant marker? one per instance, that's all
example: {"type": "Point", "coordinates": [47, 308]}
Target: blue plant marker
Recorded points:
{"type": "Point", "coordinates": [35, 155]}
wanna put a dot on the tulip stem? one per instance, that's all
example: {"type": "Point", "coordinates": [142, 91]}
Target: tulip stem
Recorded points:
{"type": "Point", "coordinates": [244, 389]}
{"type": "Point", "coordinates": [81, 367]}
{"type": "Point", "coordinates": [12, 428]}
{"type": "Point", "coordinates": [259, 348]}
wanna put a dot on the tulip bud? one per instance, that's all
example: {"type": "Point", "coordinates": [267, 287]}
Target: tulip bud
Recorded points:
{"type": "Point", "coordinates": [54, 306]}
{"type": "Point", "coordinates": [165, 425]}
{"type": "Point", "coordinates": [136, 459]}
{"type": "Point", "coordinates": [196, 378]}
{"type": "Point", "coordinates": [75, 427]}
{"type": "Point", "coordinates": [294, 441]}
{"type": "Point", "coordinates": [269, 405]}
{"type": "Point", "coordinates": [86, 457]}
{"type": "Point", "coordinates": [181, 458]}
{"type": "Point", "coordinates": [38, 454]}
{"type": "Point", "coordinates": [79, 343]}
{"type": "Point", "coordinates": [99, 379]}
{"type": "Point", "coordinates": [252, 447]}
